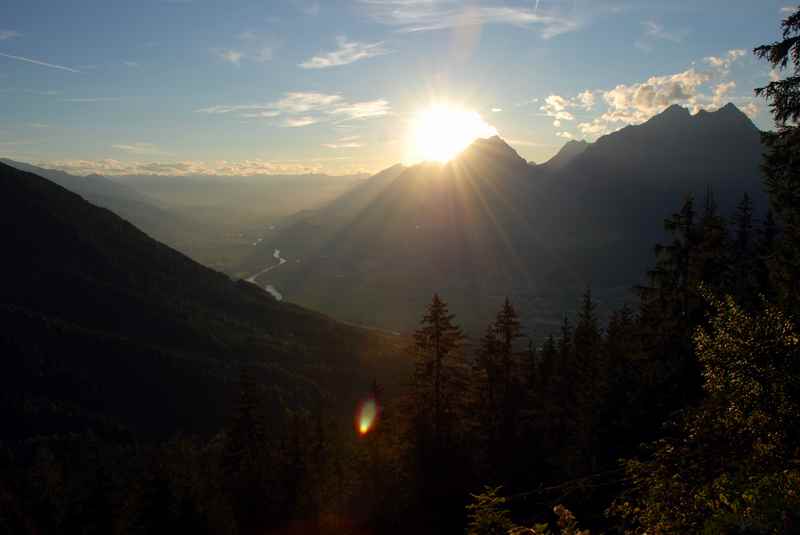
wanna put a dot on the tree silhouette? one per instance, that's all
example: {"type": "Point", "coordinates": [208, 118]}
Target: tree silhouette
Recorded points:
{"type": "Point", "coordinates": [438, 344]}
{"type": "Point", "coordinates": [782, 160]}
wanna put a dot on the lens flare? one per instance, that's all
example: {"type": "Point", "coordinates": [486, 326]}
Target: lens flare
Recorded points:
{"type": "Point", "coordinates": [366, 415]}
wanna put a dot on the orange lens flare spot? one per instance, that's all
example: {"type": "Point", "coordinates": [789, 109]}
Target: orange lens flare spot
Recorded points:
{"type": "Point", "coordinates": [366, 415]}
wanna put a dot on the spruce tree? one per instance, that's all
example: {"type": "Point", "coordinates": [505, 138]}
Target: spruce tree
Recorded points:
{"type": "Point", "coordinates": [438, 344]}
{"type": "Point", "coordinates": [782, 161]}
{"type": "Point", "coordinates": [589, 378]}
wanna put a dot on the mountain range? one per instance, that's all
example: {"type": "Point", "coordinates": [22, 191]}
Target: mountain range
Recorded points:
{"type": "Point", "coordinates": [488, 224]}
{"type": "Point", "coordinates": [106, 328]}
{"type": "Point", "coordinates": [213, 219]}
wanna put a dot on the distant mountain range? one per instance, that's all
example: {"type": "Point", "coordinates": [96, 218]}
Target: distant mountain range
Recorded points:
{"type": "Point", "coordinates": [101, 323]}
{"type": "Point", "coordinates": [489, 224]}
{"type": "Point", "coordinates": [213, 219]}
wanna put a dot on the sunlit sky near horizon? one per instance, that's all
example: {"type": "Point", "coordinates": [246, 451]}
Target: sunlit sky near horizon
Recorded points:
{"type": "Point", "coordinates": [250, 87]}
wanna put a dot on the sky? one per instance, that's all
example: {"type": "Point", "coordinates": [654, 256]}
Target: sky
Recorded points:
{"type": "Point", "coordinates": [297, 86]}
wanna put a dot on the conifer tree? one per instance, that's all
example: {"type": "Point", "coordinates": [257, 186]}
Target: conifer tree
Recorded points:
{"type": "Point", "coordinates": [767, 241]}
{"type": "Point", "coordinates": [782, 161]}
{"type": "Point", "coordinates": [438, 344]}
{"type": "Point", "coordinates": [588, 371]}
{"type": "Point", "coordinates": [743, 270]}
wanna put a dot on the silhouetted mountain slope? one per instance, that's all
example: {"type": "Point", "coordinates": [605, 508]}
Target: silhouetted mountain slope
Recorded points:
{"type": "Point", "coordinates": [145, 212]}
{"type": "Point", "coordinates": [487, 224]}
{"type": "Point", "coordinates": [571, 150]}
{"type": "Point", "coordinates": [114, 323]}
{"type": "Point", "coordinates": [609, 201]}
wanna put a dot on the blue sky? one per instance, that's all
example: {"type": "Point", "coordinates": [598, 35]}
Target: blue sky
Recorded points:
{"type": "Point", "coordinates": [248, 87]}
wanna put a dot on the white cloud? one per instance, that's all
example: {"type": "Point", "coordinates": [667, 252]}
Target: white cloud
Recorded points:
{"type": "Point", "coordinates": [750, 109]}
{"type": "Point", "coordinates": [348, 52]}
{"type": "Point", "coordinates": [222, 108]}
{"type": "Point", "coordinates": [309, 8]}
{"type": "Point", "coordinates": [139, 148]}
{"type": "Point", "coordinates": [565, 135]}
{"type": "Point", "coordinates": [8, 34]}
{"type": "Point", "coordinates": [295, 122]}
{"type": "Point", "coordinates": [90, 99]}
{"type": "Point", "coordinates": [267, 114]}
{"type": "Point", "coordinates": [301, 102]}
{"type": "Point", "coordinates": [262, 55]}
{"type": "Point", "coordinates": [721, 92]}
{"type": "Point", "coordinates": [38, 62]}
{"type": "Point", "coordinates": [595, 128]}
{"type": "Point", "coordinates": [348, 142]}
{"type": "Point", "coordinates": [656, 31]}
{"type": "Point", "coordinates": [585, 100]}
{"type": "Point", "coordinates": [557, 107]}
{"type": "Point", "coordinates": [788, 10]}
{"type": "Point", "coordinates": [247, 36]}
{"type": "Point", "coordinates": [635, 103]}
{"type": "Point", "coordinates": [497, 110]}
{"type": "Point", "coordinates": [638, 102]}
{"type": "Point", "coordinates": [527, 143]}
{"type": "Point", "coordinates": [722, 64]}
{"type": "Point", "coordinates": [428, 15]}
{"type": "Point", "coordinates": [113, 167]}
{"type": "Point", "coordinates": [362, 110]}
{"type": "Point", "coordinates": [231, 56]}
{"type": "Point", "coordinates": [306, 108]}
{"type": "Point", "coordinates": [347, 145]}
{"type": "Point", "coordinates": [251, 47]}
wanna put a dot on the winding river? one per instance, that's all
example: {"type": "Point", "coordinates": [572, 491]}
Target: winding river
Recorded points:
{"type": "Point", "coordinates": [270, 288]}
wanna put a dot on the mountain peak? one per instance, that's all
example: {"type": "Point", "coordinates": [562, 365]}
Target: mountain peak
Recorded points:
{"type": "Point", "coordinates": [571, 149]}
{"type": "Point", "coordinates": [492, 148]}
{"type": "Point", "coordinates": [732, 110]}
{"type": "Point", "coordinates": [675, 109]}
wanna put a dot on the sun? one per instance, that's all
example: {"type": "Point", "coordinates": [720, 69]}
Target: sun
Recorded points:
{"type": "Point", "coordinates": [442, 131]}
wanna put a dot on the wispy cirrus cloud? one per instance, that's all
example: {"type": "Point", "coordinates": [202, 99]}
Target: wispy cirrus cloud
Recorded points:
{"type": "Point", "coordinates": [114, 167]}
{"type": "Point", "coordinates": [297, 122]}
{"type": "Point", "coordinates": [348, 52]}
{"type": "Point", "coordinates": [252, 46]}
{"type": "Point", "coordinates": [8, 34]}
{"type": "Point", "coordinates": [139, 148]}
{"type": "Point", "coordinates": [349, 142]}
{"type": "Point", "coordinates": [90, 99]}
{"type": "Point", "coordinates": [362, 110]}
{"type": "Point", "coordinates": [305, 108]}
{"type": "Point", "coordinates": [654, 30]}
{"type": "Point", "coordinates": [39, 62]}
{"type": "Point", "coordinates": [310, 8]}
{"type": "Point", "coordinates": [429, 15]}
{"type": "Point", "coordinates": [231, 56]}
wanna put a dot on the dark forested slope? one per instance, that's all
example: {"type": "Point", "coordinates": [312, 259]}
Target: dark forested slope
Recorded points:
{"type": "Point", "coordinates": [102, 322]}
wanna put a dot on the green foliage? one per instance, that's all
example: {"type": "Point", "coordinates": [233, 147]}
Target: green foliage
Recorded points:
{"type": "Point", "coordinates": [730, 461]}
{"type": "Point", "coordinates": [488, 513]}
